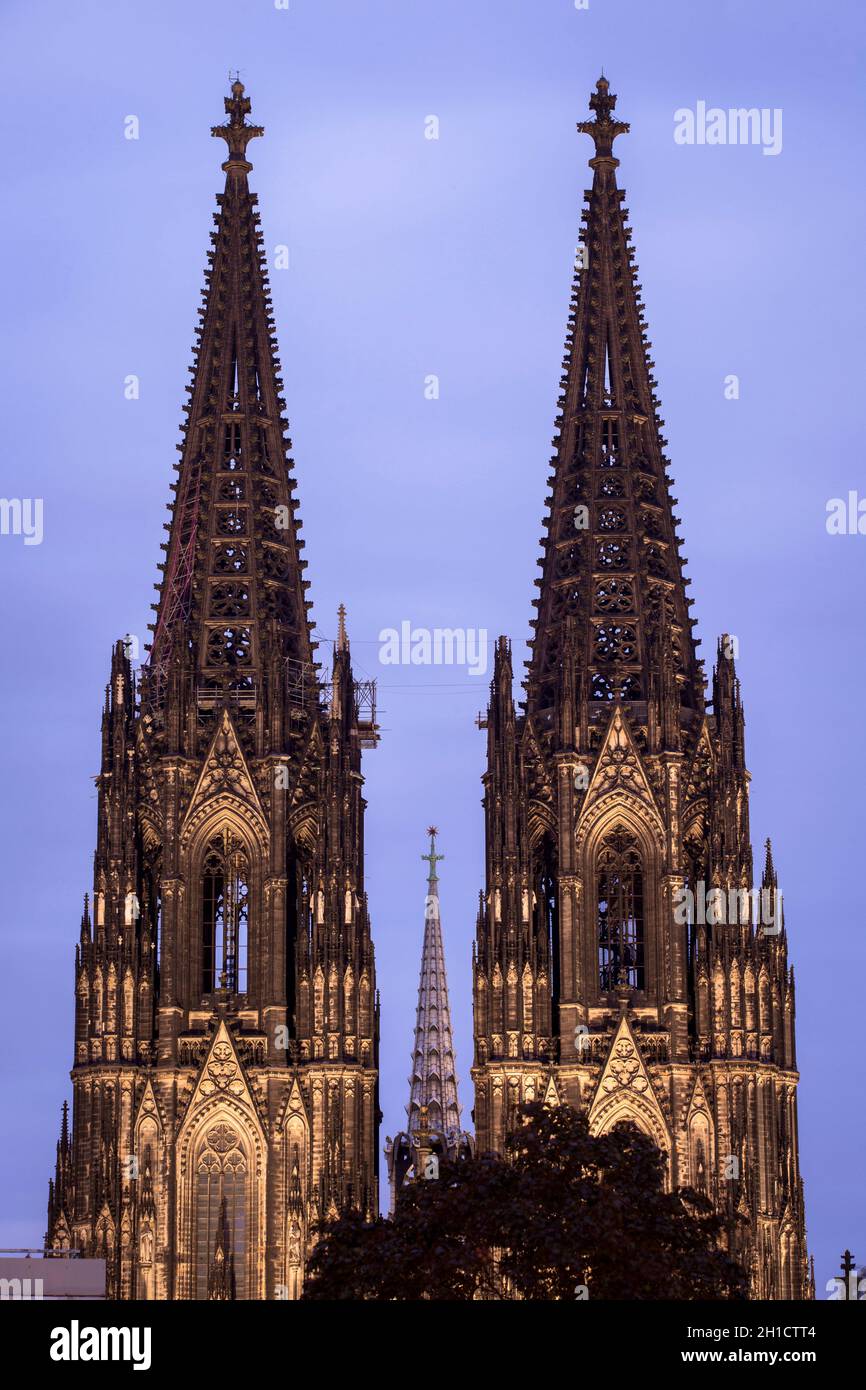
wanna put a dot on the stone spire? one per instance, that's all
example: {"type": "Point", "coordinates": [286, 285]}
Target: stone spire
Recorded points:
{"type": "Point", "coordinates": [433, 1111]}
{"type": "Point", "coordinates": [613, 614]}
{"type": "Point", "coordinates": [237, 773]}
{"type": "Point", "coordinates": [615, 785]}
{"type": "Point", "coordinates": [232, 587]}
{"type": "Point", "coordinates": [433, 1082]}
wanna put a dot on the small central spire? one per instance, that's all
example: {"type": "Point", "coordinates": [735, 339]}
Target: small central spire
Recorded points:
{"type": "Point", "coordinates": [342, 639]}
{"type": "Point", "coordinates": [236, 133]}
{"type": "Point", "coordinates": [603, 129]}
{"type": "Point", "coordinates": [432, 857]}
{"type": "Point", "coordinates": [433, 1111]}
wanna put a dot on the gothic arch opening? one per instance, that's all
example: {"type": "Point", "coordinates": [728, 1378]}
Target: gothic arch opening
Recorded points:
{"type": "Point", "coordinates": [225, 913]}
{"type": "Point", "coordinates": [148, 1169]}
{"type": "Point", "coordinates": [619, 911]}
{"type": "Point", "coordinates": [700, 1154]}
{"type": "Point", "coordinates": [151, 897]}
{"type": "Point", "coordinates": [302, 903]}
{"type": "Point", "coordinates": [632, 1112]}
{"type": "Point", "coordinates": [546, 909]}
{"type": "Point", "coordinates": [222, 1172]}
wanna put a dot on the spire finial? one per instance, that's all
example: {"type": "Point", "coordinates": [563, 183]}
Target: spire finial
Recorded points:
{"type": "Point", "coordinates": [236, 133]}
{"type": "Point", "coordinates": [432, 858]}
{"type": "Point", "coordinates": [342, 639]}
{"type": "Point", "coordinates": [603, 129]}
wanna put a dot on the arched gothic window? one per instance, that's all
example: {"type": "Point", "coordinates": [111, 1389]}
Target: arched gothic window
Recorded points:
{"type": "Point", "coordinates": [620, 913]}
{"type": "Point", "coordinates": [151, 906]}
{"type": "Point", "coordinates": [700, 1179]}
{"type": "Point", "coordinates": [547, 906]}
{"type": "Point", "coordinates": [221, 1236]}
{"type": "Point", "coordinates": [225, 915]}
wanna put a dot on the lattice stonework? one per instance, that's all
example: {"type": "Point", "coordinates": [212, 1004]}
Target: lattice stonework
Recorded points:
{"type": "Point", "coordinates": [617, 785]}
{"type": "Point", "coordinates": [229, 1103]}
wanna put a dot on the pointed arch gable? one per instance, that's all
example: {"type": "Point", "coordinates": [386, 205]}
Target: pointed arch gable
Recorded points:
{"type": "Point", "coordinates": [225, 794]}
{"type": "Point", "coordinates": [221, 1074]}
{"type": "Point", "coordinates": [149, 1107]}
{"type": "Point", "coordinates": [633, 814]}
{"type": "Point", "coordinates": [552, 1097]}
{"type": "Point", "coordinates": [295, 1126]}
{"type": "Point", "coordinates": [304, 827]}
{"type": "Point", "coordinates": [204, 821]}
{"type": "Point", "coordinates": [625, 1091]}
{"type": "Point", "coordinates": [618, 785]}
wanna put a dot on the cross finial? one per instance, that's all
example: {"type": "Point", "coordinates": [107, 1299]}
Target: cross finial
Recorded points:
{"type": "Point", "coordinates": [603, 129]}
{"type": "Point", "coordinates": [342, 639]}
{"type": "Point", "coordinates": [432, 858]}
{"type": "Point", "coordinates": [236, 133]}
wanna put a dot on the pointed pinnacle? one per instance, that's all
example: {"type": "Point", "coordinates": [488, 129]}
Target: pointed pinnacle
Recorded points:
{"type": "Point", "coordinates": [726, 649]}
{"type": "Point", "coordinates": [769, 867]}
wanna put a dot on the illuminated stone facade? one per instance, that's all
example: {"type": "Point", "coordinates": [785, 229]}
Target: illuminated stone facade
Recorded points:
{"type": "Point", "coordinates": [226, 1030]}
{"type": "Point", "coordinates": [615, 788]}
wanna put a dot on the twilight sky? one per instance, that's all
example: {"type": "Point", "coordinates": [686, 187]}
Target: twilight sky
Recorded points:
{"type": "Point", "coordinates": [411, 257]}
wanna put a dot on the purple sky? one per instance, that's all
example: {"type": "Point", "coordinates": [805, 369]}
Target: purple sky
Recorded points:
{"type": "Point", "coordinates": [411, 257]}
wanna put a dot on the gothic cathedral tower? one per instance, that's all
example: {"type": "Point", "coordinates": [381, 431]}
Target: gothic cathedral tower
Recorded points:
{"type": "Point", "coordinates": [618, 966]}
{"type": "Point", "coordinates": [226, 1031]}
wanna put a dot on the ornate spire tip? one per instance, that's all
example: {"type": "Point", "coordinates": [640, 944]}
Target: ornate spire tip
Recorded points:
{"type": "Point", "coordinates": [603, 129]}
{"type": "Point", "coordinates": [236, 133]}
{"type": "Point", "coordinates": [432, 857]}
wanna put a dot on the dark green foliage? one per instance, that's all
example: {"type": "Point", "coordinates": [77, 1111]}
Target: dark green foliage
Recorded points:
{"type": "Point", "coordinates": [566, 1211]}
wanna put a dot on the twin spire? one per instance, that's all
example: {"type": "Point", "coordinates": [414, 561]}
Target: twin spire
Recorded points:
{"type": "Point", "coordinates": [613, 617]}
{"type": "Point", "coordinates": [612, 605]}
{"type": "Point", "coordinates": [236, 133]}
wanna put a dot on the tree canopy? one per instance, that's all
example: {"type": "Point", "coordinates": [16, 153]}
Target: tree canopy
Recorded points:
{"type": "Point", "coordinates": [563, 1215]}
